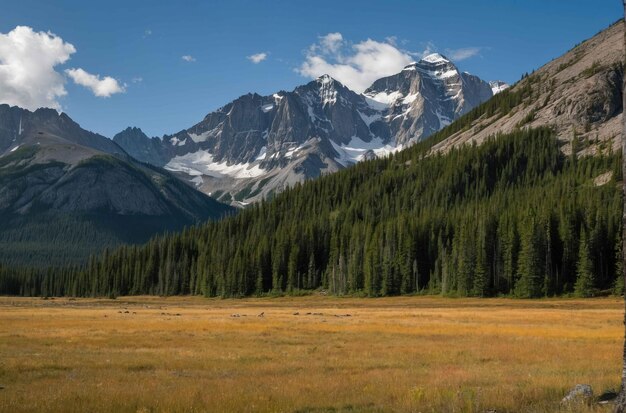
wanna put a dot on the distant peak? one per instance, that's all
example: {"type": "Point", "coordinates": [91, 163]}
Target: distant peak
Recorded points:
{"type": "Point", "coordinates": [46, 112]}
{"type": "Point", "coordinates": [436, 58]}
{"type": "Point", "coordinates": [131, 131]}
{"type": "Point", "coordinates": [325, 79]}
{"type": "Point", "coordinates": [327, 82]}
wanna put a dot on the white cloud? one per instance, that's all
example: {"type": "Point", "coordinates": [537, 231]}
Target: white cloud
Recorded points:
{"type": "Point", "coordinates": [429, 48]}
{"type": "Point", "coordinates": [27, 68]}
{"type": "Point", "coordinates": [104, 87]}
{"type": "Point", "coordinates": [357, 66]}
{"type": "Point", "coordinates": [331, 42]}
{"type": "Point", "coordinates": [462, 54]}
{"type": "Point", "coordinates": [28, 74]}
{"type": "Point", "coordinates": [188, 58]}
{"type": "Point", "coordinates": [257, 58]}
{"type": "Point", "coordinates": [137, 79]}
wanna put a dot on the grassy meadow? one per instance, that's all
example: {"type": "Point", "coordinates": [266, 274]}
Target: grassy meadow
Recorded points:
{"type": "Point", "coordinates": [306, 354]}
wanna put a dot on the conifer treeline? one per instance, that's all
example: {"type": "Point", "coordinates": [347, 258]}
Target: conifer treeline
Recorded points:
{"type": "Point", "coordinates": [512, 216]}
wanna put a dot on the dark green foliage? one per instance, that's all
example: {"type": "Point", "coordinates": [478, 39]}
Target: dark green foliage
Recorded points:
{"type": "Point", "coordinates": [586, 280]}
{"type": "Point", "coordinates": [55, 231]}
{"type": "Point", "coordinates": [502, 218]}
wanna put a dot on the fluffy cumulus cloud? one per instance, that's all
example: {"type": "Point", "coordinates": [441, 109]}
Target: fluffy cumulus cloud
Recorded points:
{"type": "Point", "coordinates": [188, 58]}
{"type": "Point", "coordinates": [358, 65]}
{"type": "Point", "coordinates": [332, 42]}
{"type": "Point", "coordinates": [101, 87]}
{"type": "Point", "coordinates": [27, 68]}
{"type": "Point", "coordinates": [355, 65]}
{"type": "Point", "coordinates": [257, 58]}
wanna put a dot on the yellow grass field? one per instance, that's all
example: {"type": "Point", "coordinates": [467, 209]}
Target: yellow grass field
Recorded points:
{"type": "Point", "coordinates": [408, 354]}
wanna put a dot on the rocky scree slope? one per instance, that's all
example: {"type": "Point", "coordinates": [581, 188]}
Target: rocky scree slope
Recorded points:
{"type": "Point", "coordinates": [578, 94]}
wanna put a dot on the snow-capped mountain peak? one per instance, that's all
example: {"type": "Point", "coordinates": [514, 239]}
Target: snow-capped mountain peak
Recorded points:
{"type": "Point", "coordinates": [435, 58]}
{"type": "Point", "coordinates": [325, 79]}
{"type": "Point", "coordinates": [257, 145]}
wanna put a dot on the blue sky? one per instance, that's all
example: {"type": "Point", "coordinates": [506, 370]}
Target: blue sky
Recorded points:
{"type": "Point", "coordinates": [140, 44]}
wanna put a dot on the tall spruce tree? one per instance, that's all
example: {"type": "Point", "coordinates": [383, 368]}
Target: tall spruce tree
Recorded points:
{"type": "Point", "coordinates": [585, 277]}
{"type": "Point", "coordinates": [531, 271]}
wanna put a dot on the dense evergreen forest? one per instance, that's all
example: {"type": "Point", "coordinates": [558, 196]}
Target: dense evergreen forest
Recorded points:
{"type": "Point", "coordinates": [512, 216]}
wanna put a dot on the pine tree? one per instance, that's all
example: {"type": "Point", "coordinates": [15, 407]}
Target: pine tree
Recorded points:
{"type": "Point", "coordinates": [531, 262]}
{"type": "Point", "coordinates": [586, 279]}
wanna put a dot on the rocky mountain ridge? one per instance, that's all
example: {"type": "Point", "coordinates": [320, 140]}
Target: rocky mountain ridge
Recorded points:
{"type": "Point", "coordinates": [578, 94]}
{"type": "Point", "coordinates": [258, 145]}
{"type": "Point", "coordinates": [63, 186]}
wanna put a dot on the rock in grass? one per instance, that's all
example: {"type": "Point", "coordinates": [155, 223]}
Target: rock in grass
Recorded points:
{"type": "Point", "coordinates": [581, 393]}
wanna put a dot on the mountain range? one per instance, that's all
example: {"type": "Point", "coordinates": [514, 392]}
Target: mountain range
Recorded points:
{"type": "Point", "coordinates": [66, 193]}
{"type": "Point", "coordinates": [532, 209]}
{"type": "Point", "coordinates": [579, 94]}
{"type": "Point", "coordinates": [256, 146]}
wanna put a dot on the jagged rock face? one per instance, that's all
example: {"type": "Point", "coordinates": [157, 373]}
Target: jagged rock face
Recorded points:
{"type": "Point", "coordinates": [142, 147]}
{"type": "Point", "coordinates": [66, 193]}
{"type": "Point", "coordinates": [577, 94]}
{"type": "Point", "coordinates": [19, 126]}
{"type": "Point", "coordinates": [258, 145]}
{"type": "Point", "coordinates": [601, 100]}
{"type": "Point", "coordinates": [426, 96]}
{"type": "Point", "coordinates": [52, 165]}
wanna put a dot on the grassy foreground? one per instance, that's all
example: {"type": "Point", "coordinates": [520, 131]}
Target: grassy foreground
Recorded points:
{"type": "Point", "coordinates": [422, 354]}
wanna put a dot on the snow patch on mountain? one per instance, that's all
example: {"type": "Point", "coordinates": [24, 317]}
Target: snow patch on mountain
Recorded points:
{"type": "Point", "coordinates": [410, 98]}
{"type": "Point", "coordinates": [262, 154]}
{"type": "Point", "coordinates": [199, 138]}
{"type": "Point", "coordinates": [446, 74]}
{"type": "Point", "coordinates": [197, 180]}
{"type": "Point", "coordinates": [383, 100]}
{"type": "Point", "coordinates": [292, 151]}
{"type": "Point", "coordinates": [202, 163]}
{"type": "Point", "coordinates": [356, 150]}
{"type": "Point", "coordinates": [435, 58]}
{"type": "Point", "coordinates": [177, 142]}
{"type": "Point", "coordinates": [369, 119]}
{"type": "Point", "coordinates": [498, 86]}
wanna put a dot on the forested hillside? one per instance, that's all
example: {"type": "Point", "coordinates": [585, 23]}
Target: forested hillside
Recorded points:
{"type": "Point", "coordinates": [52, 213]}
{"type": "Point", "coordinates": [512, 216]}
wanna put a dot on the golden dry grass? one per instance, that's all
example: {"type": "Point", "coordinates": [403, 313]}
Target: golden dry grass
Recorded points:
{"type": "Point", "coordinates": [414, 354]}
